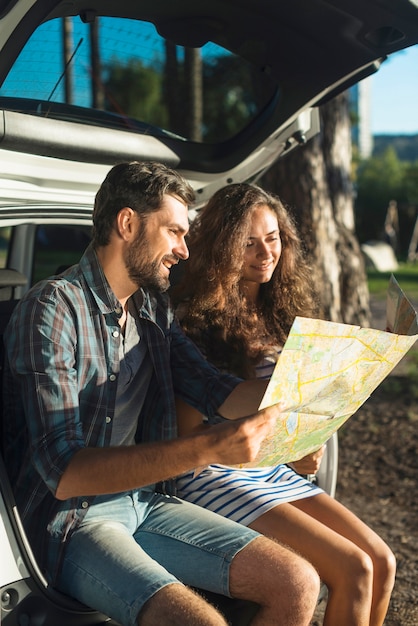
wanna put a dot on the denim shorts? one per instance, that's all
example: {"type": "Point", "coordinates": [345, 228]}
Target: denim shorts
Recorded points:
{"type": "Point", "coordinates": [131, 545]}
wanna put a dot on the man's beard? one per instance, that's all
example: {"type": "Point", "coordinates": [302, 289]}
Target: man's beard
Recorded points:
{"type": "Point", "coordinates": [143, 271]}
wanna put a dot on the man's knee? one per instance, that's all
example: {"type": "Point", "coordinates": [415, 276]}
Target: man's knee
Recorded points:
{"type": "Point", "coordinates": [304, 585]}
{"type": "Point", "coordinates": [297, 575]}
{"type": "Point", "coordinates": [267, 572]}
{"type": "Point", "coordinates": [176, 605]}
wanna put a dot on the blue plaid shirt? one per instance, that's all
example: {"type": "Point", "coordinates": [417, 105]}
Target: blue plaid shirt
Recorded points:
{"type": "Point", "coordinates": [61, 376]}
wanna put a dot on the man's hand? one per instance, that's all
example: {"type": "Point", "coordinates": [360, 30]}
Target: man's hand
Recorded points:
{"type": "Point", "coordinates": [310, 463]}
{"type": "Point", "coordinates": [239, 441]}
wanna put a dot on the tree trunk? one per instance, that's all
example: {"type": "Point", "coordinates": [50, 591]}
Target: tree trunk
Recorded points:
{"type": "Point", "coordinates": [172, 81]}
{"type": "Point", "coordinates": [97, 91]}
{"type": "Point", "coordinates": [315, 183]}
{"type": "Point", "coordinates": [67, 43]}
{"type": "Point", "coordinates": [194, 92]}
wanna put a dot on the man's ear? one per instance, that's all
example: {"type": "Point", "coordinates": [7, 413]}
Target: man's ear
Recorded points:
{"type": "Point", "coordinates": [125, 220]}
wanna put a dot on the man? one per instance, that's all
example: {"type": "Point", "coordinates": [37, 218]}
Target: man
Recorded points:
{"type": "Point", "coordinates": [94, 360]}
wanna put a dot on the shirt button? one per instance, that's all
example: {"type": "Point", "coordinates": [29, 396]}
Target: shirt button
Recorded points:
{"type": "Point", "coordinates": [112, 377]}
{"type": "Point", "coordinates": [108, 419]}
{"type": "Point", "coordinates": [115, 333]}
{"type": "Point", "coordinates": [84, 504]}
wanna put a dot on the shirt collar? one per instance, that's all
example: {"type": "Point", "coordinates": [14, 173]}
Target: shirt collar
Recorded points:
{"type": "Point", "coordinates": [98, 284]}
{"type": "Point", "coordinates": [145, 302]}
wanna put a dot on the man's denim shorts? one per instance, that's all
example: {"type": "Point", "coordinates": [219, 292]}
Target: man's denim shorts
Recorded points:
{"type": "Point", "coordinates": [131, 545]}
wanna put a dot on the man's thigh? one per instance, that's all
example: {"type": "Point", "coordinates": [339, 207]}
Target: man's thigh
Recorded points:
{"type": "Point", "coordinates": [194, 544]}
{"type": "Point", "coordinates": [105, 569]}
{"type": "Point", "coordinates": [115, 567]}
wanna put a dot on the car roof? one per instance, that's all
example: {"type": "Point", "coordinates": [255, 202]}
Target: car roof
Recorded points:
{"type": "Point", "coordinates": [311, 49]}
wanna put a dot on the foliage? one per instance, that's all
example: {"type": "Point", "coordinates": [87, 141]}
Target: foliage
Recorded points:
{"type": "Point", "coordinates": [410, 183]}
{"type": "Point", "coordinates": [233, 93]}
{"type": "Point", "coordinates": [134, 90]}
{"type": "Point", "coordinates": [158, 93]}
{"type": "Point", "coordinates": [379, 180]}
{"type": "Point", "coordinates": [406, 146]}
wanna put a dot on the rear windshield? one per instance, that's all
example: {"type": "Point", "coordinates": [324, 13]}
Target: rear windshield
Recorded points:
{"type": "Point", "coordinates": [121, 73]}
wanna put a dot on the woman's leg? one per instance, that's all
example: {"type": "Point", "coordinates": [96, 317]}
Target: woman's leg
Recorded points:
{"type": "Point", "coordinates": [344, 522]}
{"type": "Point", "coordinates": [355, 564]}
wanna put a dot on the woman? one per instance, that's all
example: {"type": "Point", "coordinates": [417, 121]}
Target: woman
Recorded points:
{"type": "Point", "coordinates": [245, 282]}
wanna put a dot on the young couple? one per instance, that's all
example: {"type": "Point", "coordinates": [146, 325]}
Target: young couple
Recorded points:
{"type": "Point", "coordinates": [95, 362]}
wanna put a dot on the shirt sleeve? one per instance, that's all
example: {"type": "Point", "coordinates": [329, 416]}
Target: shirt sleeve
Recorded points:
{"type": "Point", "coordinates": [41, 346]}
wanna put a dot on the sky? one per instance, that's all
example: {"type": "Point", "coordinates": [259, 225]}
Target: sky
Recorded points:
{"type": "Point", "coordinates": [394, 94]}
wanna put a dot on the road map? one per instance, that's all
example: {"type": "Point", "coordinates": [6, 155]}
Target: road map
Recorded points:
{"type": "Point", "coordinates": [326, 371]}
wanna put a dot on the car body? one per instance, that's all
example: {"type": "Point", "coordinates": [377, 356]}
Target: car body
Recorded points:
{"type": "Point", "coordinates": [263, 68]}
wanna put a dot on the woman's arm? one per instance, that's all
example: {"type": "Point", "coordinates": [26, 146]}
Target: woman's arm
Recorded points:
{"type": "Point", "coordinates": [244, 399]}
{"type": "Point", "coordinates": [189, 420]}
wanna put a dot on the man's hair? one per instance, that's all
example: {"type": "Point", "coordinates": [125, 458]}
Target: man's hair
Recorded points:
{"type": "Point", "coordinates": [138, 185]}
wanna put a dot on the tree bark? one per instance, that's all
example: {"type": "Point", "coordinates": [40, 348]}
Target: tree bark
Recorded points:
{"type": "Point", "coordinates": [314, 181]}
{"type": "Point", "coordinates": [172, 81]}
{"type": "Point", "coordinates": [67, 43]}
{"type": "Point", "coordinates": [194, 92]}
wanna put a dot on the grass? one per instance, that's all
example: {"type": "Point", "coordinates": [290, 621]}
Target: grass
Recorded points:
{"type": "Point", "coordinates": [406, 275]}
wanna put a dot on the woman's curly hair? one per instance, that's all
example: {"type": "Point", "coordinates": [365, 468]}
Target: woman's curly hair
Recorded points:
{"type": "Point", "coordinates": [213, 310]}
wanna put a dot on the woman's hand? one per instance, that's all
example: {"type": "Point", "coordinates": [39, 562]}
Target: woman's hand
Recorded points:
{"type": "Point", "coordinates": [310, 463]}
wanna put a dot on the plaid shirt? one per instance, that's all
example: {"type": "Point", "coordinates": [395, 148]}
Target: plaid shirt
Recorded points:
{"type": "Point", "coordinates": [61, 376]}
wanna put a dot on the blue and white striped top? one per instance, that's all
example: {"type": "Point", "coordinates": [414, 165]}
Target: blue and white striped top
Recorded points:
{"type": "Point", "coordinates": [244, 494]}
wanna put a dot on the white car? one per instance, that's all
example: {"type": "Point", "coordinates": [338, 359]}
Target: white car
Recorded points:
{"type": "Point", "coordinates": [218, 90]}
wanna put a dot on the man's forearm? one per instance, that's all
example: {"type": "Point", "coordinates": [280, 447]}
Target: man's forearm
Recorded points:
{"type": "Point", "coordinates": [96, 471]}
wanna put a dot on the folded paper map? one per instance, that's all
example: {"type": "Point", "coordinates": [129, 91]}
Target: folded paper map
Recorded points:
{"type": "Point", "coordinates": [401, 316]}
{"type": "Point", "coordinates": [326, 371]}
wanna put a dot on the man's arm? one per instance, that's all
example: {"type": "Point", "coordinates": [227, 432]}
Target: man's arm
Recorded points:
{"type": "Point", "coordinates": [96, 471]}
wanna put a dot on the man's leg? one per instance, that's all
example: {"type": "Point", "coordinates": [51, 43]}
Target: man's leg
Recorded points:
{"type": "Point", "coordinates": [107, 570]}
{"type": "Point", "coordinates": [177, 605]}
{"type": "Point", "coordinates": [204, 550]}
{"type": "Point", "coordinates": [135, 570]}
{"type": "Point", "coordinates": [284, 585]}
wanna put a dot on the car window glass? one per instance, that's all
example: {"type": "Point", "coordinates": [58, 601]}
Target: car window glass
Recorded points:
{"type": "Point", "coordinates": [121, 73]}
{"type": "Point", "coordinates": [56, 248]}
{"type": "Point", "coordinates": [5, 237]}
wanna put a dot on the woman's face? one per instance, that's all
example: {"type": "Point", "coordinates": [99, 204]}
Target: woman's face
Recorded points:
{"type": "Point", "coordinates": [263, 249]}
